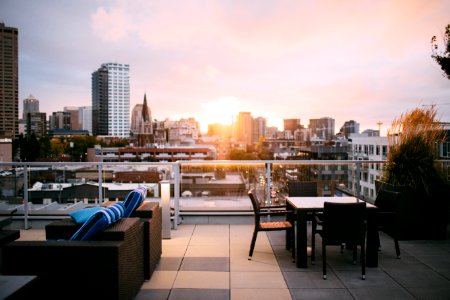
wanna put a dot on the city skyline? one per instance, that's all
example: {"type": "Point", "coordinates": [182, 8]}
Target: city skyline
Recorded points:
{"type": "Point", "coordinates": [357, 60]}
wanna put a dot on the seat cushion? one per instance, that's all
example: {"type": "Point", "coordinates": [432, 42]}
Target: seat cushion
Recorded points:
{"type": "Point", "coordinates": [99, 221]}
{"type": "Point", "coordinates": [82, 215]}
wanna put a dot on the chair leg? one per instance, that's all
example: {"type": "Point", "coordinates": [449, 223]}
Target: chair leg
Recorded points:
{"type": "Point", "coordinates": [292, 241]}
{"type": "Point", "coordinates": [363, 258]}
{"type": "Point", "coordinates": [397, 247]}
{"type": "Point", "coordinates": [355, 254]}
{"type": "Point", "coordinates": [313, 248]}
{"type": "Point", "coordinates": [324, 259]}
{"type": "Point", "coordinates": [252, 245]}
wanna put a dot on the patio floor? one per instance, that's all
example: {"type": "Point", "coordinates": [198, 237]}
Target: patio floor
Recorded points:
{"type": "Point", "coordinates": [210, 262]}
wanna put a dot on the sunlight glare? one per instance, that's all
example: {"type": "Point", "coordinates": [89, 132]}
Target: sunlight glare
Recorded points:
{"type": "Point", "coordinates": [221, 110]}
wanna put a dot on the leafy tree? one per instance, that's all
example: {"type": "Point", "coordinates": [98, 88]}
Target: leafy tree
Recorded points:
{"type": "Point", "coordinates": [27, 147]}
{"type": "Point", "coordinates": [442, 57]}
{"type": "Point", "coordinates": [240, 154]}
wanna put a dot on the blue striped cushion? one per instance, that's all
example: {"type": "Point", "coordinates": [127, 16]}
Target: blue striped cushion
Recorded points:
{"type": "Point", "coordinates": [133, 200]}
{"type": "Point", "coordinates": [96, 223]}
{"type": "Point", "coordinates": [82, 215]}
{"type": "Point", "coordinates": [99, 221]}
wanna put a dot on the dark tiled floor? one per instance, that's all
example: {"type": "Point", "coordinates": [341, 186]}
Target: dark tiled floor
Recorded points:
{"type": "Point", "coordinates": [210, 262]}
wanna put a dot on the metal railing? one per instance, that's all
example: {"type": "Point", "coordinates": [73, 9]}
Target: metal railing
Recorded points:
{"type": "Point", "coordinates": [201, 186]}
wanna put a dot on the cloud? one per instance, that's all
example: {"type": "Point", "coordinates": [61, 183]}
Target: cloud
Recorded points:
{"type": "Point", "coordinates": [111, 25]}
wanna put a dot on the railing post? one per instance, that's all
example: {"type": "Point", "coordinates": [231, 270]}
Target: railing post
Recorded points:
{"type": "Point", "coordinates": [268, 183]}
{"type": "Point", "coordinates": [176, 191]}
{"type": "Point", "coordinates": [165, 203]}
{"type": "Point", "coordinates": [100, 184]}
{"type": "Point", "coordinates": [25, 196]}
{"type": "Point", "coordinates": [358, 179]}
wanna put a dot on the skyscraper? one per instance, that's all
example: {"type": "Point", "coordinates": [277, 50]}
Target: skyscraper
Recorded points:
{"type": "Point", "coordinates": [9, 82]}
{"type": "Point", "coordinates": [85, 118]}
{"type": "Point", "coordinates": [322, 128]}
{"type": "Point", "coordinates": [245, 128]}
{"type": "Point", "coordinates": [30, 105]}
{"type": "Point", "coordinates": [111, 100]}
{"type": "Point", "coordinates": [74, 118]}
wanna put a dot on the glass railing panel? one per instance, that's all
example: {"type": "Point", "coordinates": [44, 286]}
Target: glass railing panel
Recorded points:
{"type": "Point", "coordinates": [219, 186]}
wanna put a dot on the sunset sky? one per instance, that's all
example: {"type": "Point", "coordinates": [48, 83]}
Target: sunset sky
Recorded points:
{"type": "Point", "coordinates": [363, 60]}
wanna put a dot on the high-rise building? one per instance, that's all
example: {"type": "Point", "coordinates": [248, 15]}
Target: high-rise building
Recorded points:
{"type": "Point", "coordinates": [9, 82]}
{"type": "Point", "coordinates": [259, 128]}
{"type": "Point", "coordinates": [322, 128]}
{"type": "Point", "coordinates": [85, 118]}
{"type": "Point", "coordinates": [244, 128]}
{"type": "Point", "coordinates": [74, 117]}
{"type": "Point", "coordinates": [59, 120]}
{"type": "Point", "coordinates": [349, 127]}
{"type": "Point", "coordinates": [36, 123]}
{"type": "Point", "coordinates": [111, 100]}
{"type": "Point", "coordinates": [30, 105]}
{"type": "Point", "coordinates": [291, 124]}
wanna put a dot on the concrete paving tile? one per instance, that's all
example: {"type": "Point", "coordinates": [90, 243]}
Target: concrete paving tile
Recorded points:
{"type": "Point", "coordinates": [216, 264]}
{"type": "Point", "coordinates": [319, 294]}
{"type": "Point", "coordinates": [160, 280]}
{"type": "Point", "coordinates": [371, 293]}
{"type": "Point", "coordinates": [154, 294]}
{"type": "Point", "coordinates": [202, 280]}
{"type": "Point", "coordinates": [207, 251]}
{"type": "Point", "coordinates": [314, 280]}
{"type": "Point", "coordinates": [264, 280]}
{"type": "Point", "coordinates": [199, 294]}
{"type": "Point", "coordinates": [169, 264]}
{"type": "Point", "coordinates": [260, 294]}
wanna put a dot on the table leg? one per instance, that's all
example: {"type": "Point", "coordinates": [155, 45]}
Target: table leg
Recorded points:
{"type": "Point", "coordinates": [302, 241]}
{"type": "Point", "coordinates": [372, 241]}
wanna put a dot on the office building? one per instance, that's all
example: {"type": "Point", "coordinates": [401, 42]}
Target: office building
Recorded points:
{"type": "Point", "coordinates": [348, 128]}
{"type": "Point", "coordinates": [111, 100]}
{"type": "Point", "coordinates": [322, 128]}
{"type": "Point", "coordinates": [30, 105]}
{"type": "Point", "coordinates": [244, 128]}
{"type": "Point", "coordinates": [85, 118]}
{"type": "Point", "coordinates": [9, 82]}
{"type": "Point", "coordinates": [36, 124]}
{"type": "Point", "coordinates": [59, 120]}
{"type": "Point", "coordinates": [291, 124]}
{"type": "Point", "coordinates": [259, 129]}
{"type": "Point", "coordinates": [74, 117]}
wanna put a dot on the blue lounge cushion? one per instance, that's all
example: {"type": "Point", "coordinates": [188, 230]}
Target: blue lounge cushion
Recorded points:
{"type": "Point", "coordinates": [82, 215]}
{"type": "Point", "coordinates": [99, 221]}
{"type": "Point", "coordinates": [133, 200]}
{"type": "Point", "coordinates": [96, 223]}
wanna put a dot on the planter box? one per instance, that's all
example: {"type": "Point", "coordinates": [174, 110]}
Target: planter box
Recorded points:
{"type": "Point", "coordinates": [418, 216]}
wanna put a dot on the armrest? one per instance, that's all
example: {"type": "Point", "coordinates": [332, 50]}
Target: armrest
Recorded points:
{"type": "Point", "coordinates": [275, 212]}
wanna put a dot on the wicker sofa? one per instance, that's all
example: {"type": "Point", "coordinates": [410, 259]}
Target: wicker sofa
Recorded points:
{"type": "Point", "coordinates": [107, 267]}
{"type": "Point", "coordinates": [149, 213]}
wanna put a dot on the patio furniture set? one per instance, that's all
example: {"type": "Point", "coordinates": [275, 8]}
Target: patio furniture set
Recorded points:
{"type": "Point", "coordinates": [111, 264]}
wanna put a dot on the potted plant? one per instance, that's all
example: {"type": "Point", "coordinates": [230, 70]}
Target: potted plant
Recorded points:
{"type": "Point", "coordinates": [410, 169]}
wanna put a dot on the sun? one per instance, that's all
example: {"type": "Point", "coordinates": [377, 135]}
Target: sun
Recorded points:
{"type": "Point", "coordinates": [221, 110]}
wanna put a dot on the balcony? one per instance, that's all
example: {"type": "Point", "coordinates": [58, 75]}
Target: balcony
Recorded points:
{"type": "Point", "coordinates": [210, 262]}
{"type": "Point", "coordinates": [206, 255]}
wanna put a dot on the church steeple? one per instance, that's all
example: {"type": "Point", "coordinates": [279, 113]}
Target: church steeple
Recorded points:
{"type": "Point", "coordinates": [145, 112]}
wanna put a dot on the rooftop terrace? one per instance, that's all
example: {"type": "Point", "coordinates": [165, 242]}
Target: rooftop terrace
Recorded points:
{"type": "Point", "coordinates": [210, 262]}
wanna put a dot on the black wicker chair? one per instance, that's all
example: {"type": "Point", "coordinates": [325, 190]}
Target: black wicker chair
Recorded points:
{"type": "Point", "coordinates": [270, 226]}
{"type": "Point", "coordinates": [386, 215]}
{"type": "Point", "coordinates": [341, 223]}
